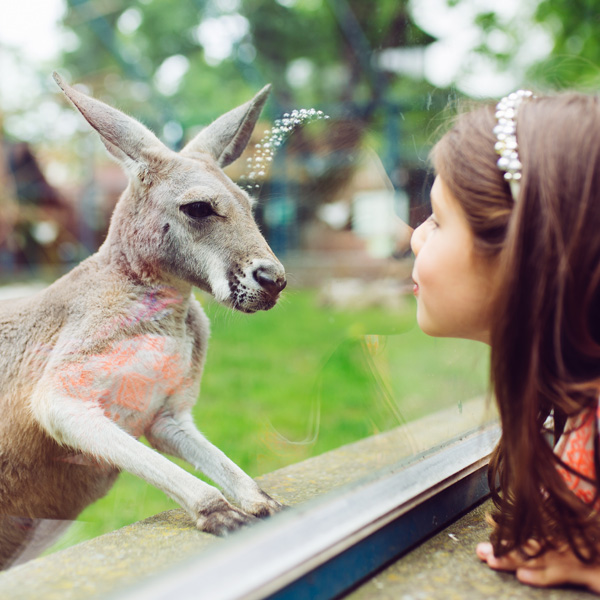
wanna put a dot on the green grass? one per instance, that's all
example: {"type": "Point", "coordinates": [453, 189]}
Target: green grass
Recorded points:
{"type": "Point", "coordinates": [302, 379]}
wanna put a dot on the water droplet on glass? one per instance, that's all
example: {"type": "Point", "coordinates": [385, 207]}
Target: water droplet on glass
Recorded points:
{"type": "Point", "coordinates": [275, 137]}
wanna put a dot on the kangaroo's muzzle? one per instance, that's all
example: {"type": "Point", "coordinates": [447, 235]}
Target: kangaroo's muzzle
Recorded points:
{"type": "Point", "coordinates": [258, 286]}
{"type": "Point", "coordinates": [271, 279]}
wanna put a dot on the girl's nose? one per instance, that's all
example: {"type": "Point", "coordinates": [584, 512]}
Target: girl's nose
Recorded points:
{"type": "Point", "coordinates": [417, 238]}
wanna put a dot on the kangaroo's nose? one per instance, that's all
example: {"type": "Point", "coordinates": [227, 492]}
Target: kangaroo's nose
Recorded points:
{"type": "Point", "coordinates": [271, 279]}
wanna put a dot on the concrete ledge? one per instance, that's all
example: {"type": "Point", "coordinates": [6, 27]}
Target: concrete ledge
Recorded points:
{"type": "Point", "coordinates": [446, 568]}
{"type": "Point", "coordinates": [119, 559]}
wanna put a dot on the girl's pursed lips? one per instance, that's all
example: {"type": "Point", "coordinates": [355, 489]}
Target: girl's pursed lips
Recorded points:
{"type": "Point", "coordinates": [415, 285]}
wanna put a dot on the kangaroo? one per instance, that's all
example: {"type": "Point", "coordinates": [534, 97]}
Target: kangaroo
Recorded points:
{"type": "Point", "coordinates": [114, 349]}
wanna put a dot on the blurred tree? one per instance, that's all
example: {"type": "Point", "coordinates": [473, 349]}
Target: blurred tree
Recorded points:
{"type": "Point", "coordinates": [566, 29]}
{"type": "Point", "coordinates": [174, 64]}
{"type": "Point", "coordinates": [574, 60]}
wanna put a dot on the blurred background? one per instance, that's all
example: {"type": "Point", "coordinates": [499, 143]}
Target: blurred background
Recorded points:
{"type": "Point", "coordinates": [340, 358]}
{"type": "Point", "coordinates": [386, 72]}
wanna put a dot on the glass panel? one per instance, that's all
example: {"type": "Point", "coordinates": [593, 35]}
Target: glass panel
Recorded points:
{"type": "Point", "coordinates": [340, 358]}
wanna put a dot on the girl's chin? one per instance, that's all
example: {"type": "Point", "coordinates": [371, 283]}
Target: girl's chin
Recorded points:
{"type": "Point", "coordinates": [448, 330]}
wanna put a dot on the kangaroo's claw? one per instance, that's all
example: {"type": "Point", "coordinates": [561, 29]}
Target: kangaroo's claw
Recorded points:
{"type": "Point", "coordinates": [223, 519]}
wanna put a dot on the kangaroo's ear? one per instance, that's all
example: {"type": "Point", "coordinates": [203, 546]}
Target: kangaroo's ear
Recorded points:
{"type": "Point", "coordinates": [124, 137]}
{"type": "Point", "coordinates": [226, 138]}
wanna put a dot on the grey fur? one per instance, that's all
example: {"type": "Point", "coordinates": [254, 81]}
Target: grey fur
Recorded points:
{"type": "Point", "coordinates": [115, 348]}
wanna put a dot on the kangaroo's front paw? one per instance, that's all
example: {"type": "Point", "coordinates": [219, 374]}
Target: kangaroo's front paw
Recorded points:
{"type": "Point", "coordinates": [222, 518]}
{"type": "Point", "coordinates": [261, 505]}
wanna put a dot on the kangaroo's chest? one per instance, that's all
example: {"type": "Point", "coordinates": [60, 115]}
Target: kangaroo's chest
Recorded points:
{"type": "Point", "coordinates": [132, 379]}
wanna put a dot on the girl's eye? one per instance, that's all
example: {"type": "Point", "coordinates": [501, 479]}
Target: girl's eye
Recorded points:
{"type": "Point", "coordinates": [432, 220]}
{"type": "Point", "coordinates": [197, 210]}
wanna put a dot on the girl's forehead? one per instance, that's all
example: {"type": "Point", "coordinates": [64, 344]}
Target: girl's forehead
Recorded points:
{"type": "Point", "coordinates": [445, 205]}
{"type": "Point", "coordinates": [439, 195]}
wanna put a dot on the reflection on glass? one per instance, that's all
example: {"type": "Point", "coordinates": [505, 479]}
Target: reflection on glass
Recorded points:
{"type": "Point", "coordinates": [340, 359]}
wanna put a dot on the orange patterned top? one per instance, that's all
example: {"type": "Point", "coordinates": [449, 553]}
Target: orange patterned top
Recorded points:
{"type": "Point", "coordinates": [576, 448]}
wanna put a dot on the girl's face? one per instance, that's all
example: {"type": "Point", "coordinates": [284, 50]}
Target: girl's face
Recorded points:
{"type": "Point", "coordinates": [454, 286]}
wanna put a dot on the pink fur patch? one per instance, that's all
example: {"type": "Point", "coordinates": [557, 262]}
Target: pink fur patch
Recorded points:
{"type": "Point", "coordinates": [130, 381]}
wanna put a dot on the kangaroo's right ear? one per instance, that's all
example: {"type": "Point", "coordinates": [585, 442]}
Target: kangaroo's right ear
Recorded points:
{"type": "Point", "coordinates": [226, 138]}
{"type": "Point", "coordinates": [124, 137]}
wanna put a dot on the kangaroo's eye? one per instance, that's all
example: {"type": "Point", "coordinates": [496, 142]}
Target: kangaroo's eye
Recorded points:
{"type": "Point", "coordinates": [198, 210]}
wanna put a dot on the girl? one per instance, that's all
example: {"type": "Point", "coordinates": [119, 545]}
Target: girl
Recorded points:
{"type": "Point", "coordinates": [511, 257]}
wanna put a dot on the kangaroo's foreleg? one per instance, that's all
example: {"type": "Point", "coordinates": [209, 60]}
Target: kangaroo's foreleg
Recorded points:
{"type": "Point", "coordinates": [84, 427]}
{"type": "Point", "coordinates": [176, 434]}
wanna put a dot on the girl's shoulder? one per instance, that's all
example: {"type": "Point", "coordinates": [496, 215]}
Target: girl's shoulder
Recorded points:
{"type": "Point", "coordinates": [576, 448]}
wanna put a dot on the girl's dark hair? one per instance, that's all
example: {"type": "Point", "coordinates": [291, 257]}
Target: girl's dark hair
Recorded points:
{"type": "Point", "coordinates": [545, 338]}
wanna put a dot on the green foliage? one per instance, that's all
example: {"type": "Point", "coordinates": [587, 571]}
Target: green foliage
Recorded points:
{"type": "Point", "coordinates": [574, 58]}
{"type": "Point", "coordinates": [337, 41]}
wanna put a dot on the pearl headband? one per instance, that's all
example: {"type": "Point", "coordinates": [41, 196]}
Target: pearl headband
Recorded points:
{"type": "Point", "coordinates": [506, 134]}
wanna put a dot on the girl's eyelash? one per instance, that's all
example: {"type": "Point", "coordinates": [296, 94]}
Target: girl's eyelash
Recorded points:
{"type": "Point", "coordinates": [432, 219]}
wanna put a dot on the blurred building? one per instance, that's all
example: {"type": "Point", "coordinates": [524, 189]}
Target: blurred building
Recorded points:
{"type": "Point", "coordinates": [37, 225]}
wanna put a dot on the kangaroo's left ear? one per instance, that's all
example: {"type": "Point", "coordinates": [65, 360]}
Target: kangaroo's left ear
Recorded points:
{"type": "Point", "coordinates": [126, 139]}
{"type": "Point", "coordinates": [226, 138]}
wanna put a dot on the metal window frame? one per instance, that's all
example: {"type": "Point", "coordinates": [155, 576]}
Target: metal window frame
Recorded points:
{"type": "Point", "coordinates": [325, 547]}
